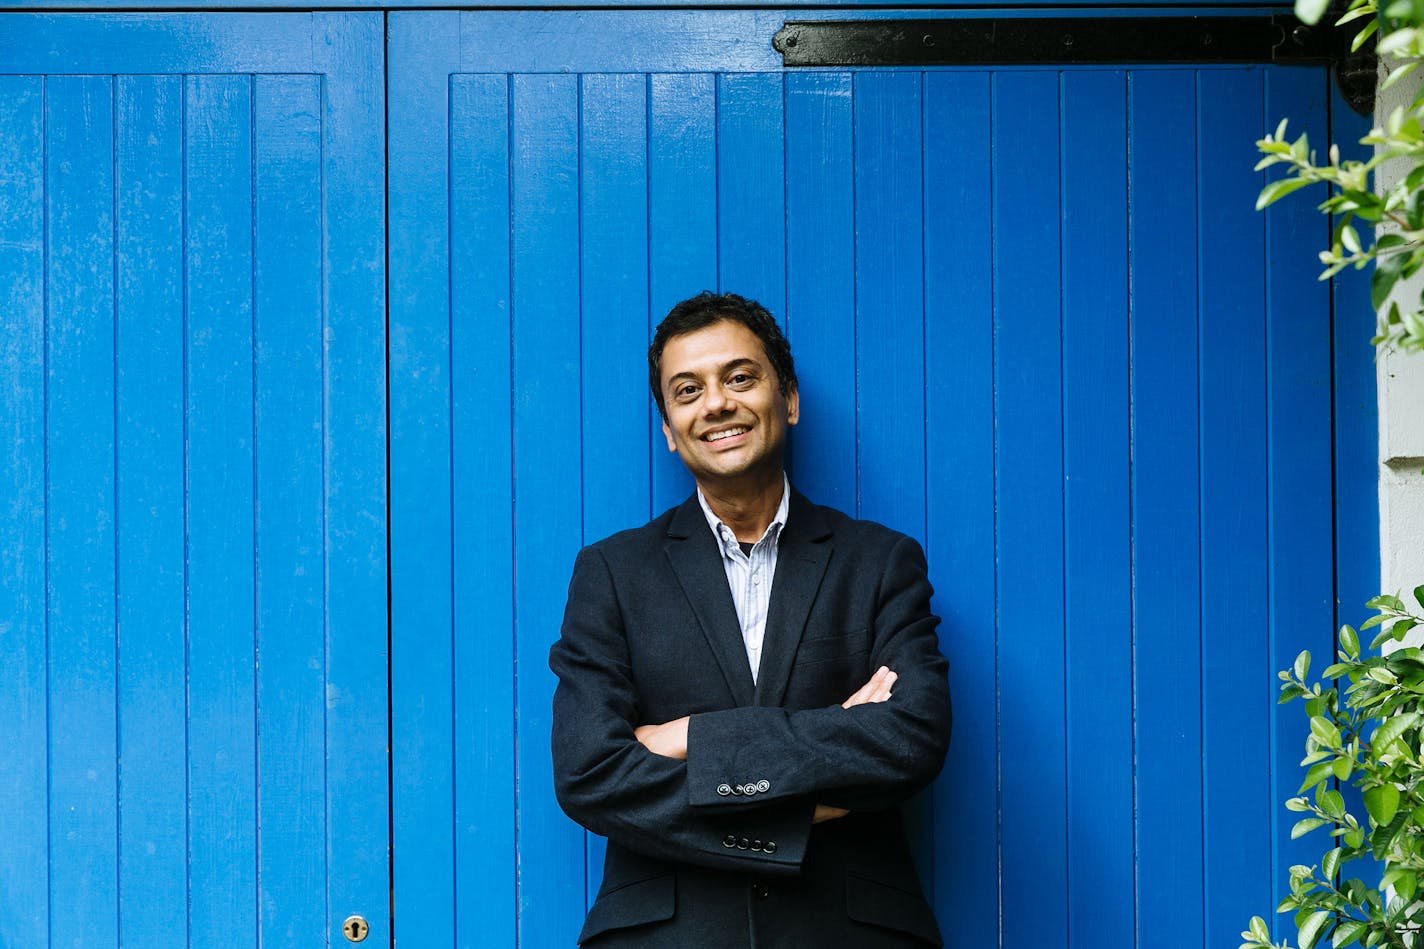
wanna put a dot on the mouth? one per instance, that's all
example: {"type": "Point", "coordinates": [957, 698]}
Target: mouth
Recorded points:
{"type": "Point", "coordinates": [725, 433]}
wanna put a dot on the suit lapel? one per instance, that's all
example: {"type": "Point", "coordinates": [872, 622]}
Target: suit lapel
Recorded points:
{"type": "Point", "coordinates": [697, 562]}
{"type": "Point", "coordinates": [803, 551]}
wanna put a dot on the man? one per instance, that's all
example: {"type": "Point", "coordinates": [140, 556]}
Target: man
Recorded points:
{"type": "Point", "coordinates": [749, 685]}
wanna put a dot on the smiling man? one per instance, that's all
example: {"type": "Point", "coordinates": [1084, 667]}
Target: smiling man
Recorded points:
{"type": "Point", "coordinates": [750, 684]}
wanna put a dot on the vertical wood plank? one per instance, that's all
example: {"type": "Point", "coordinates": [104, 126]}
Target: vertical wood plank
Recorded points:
{"type": "Point", "coordinates": [682, 225]}
{"type": "Point", "coordinates": [221, 680]}
{"type": "Point", "coordinates": [79, 435]}
{"type": "Point", "coordinates": [613, 189]}
{"type": "Point", "coordinates": [1165, 504]}
{"type": "Point", "coordinates": [423, 52]}
{"type": "Point", "coordinates": [548, 514]}
{"type": "Point", "coordinates": [889, 339]}
{"type": "Point", "coordinates": [959, 465]}
{"type": "Point", "coordinates": [483, 513]}
{"type": "Point", "coordinates": [24, 768]}
{"type": "Point", "coordinates": [1029, 479]}
{"type": "Point", "coordinates": [153, 858]}
{"type": "Point", "coordinates": [1299, 492]}
{"type": "Point", "coordinates": [751, 188]}
{"type": "Point", "coordinates": [358, 814]}
{"type": "Point", "coordinates": [820, 291]}
{"type": "Point", "coordinates": [1238, 683]}
{"type": "Point", "coordinates": [1096, 509]}
{"type": "Point", "coordinates": [288, 499]}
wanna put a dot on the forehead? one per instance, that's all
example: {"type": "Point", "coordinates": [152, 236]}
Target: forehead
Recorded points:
{"type": "Point", "coordinates": [711, 348]}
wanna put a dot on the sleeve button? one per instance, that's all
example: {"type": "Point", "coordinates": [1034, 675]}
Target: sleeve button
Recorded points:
{"type": "Point", "coordinates": [763, 785]}
{"type": "Point", "coordinates": [724, 789]}
{"type": "Point", "coordinates": [756, 845]}
{"type": "Point", "coordinates": [769, 847]}
{"type": "Point", "coordinates": [743, 843]}
{"type": "Point", "coordinates": [729, 841]}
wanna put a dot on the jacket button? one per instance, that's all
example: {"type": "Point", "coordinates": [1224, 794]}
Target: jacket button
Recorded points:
{"type": "Point", "coordinates": [724, 789]}
{"type": "Point", "coordinates": [737, 789]}
{"type": "Point", "coordinates": [763, 785]}
{"type": "Point", "coordinates": [729, 841]}
{"type": "Point", "coordinates": [769, 847]}
{"type": "Point", "coordinates": [756, 845]}
{"type": "Point", "coordinates": [760, 891]}
{"type": "Point", "coordinates": [743, 843]}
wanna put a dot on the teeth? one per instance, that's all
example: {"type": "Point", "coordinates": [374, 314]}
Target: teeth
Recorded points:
{"type": "Point", "coordinates": [718, 436]}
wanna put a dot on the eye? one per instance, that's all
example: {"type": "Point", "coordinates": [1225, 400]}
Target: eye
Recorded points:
{"type": "Point", "coordinates": [684, 392]}
{"type": "Point", "coordinates": [741, 379]}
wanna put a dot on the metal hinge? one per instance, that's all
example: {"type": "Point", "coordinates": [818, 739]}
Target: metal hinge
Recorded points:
{"type": "Point", "coordinates": [1121, 40]}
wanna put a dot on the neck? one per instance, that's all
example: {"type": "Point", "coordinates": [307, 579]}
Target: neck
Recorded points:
{"type": "Point", "coordinates": [748, 509]}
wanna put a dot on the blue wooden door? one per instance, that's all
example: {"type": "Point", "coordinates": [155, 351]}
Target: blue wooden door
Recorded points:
{"type": "Point", "coordinates": [192, 596]}
{"type": "Point", "coordinates": [1039, 327]}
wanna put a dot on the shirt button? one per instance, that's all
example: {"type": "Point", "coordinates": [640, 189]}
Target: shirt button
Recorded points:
{"type": "Point", "coordinates": [760, 890]}
{"type": "Point", "coordinates": [756, 579]}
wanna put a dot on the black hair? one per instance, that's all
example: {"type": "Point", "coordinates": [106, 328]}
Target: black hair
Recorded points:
{"type": "Point", "coordinates": [707, 308]}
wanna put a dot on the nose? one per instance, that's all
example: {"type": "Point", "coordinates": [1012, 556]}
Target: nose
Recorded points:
{"type": "Point", "coordinates": [718, 401]}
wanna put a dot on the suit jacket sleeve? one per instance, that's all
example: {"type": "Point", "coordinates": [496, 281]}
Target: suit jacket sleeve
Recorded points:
{"type": "Point", "coordinates": [865, 758]}
{"type": "Point", "coordinates": [608, 782]}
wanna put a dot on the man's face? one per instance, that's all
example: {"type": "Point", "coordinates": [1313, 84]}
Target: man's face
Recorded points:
{"type": "Point", "coordinates": [726, 415]}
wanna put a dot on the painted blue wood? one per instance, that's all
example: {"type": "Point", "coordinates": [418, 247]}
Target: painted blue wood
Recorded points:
{"type": "Point", "coordinates": [959, 466]}
{"type": "Point", "coordinates": [79, 508]}
{"type": "Point", "coordinates": [613, 277]}
{"type": "Point", "coordinates": [548, 516]}
{"type": "Point", "coordinates": [1076, 514]}
{"type": "Point", "coordinates": [1165, 505]}
{"type": "Point", "coordinates": [148, 305]}
{"type": "Point", "coordinates": [222, 739]}
{"type": "Point", "coordinates": [482, 514]}
{"type": "Point", "coordinates": [1299, 490]}
{"type": "Point", "coordinates": [289, 543]}
{"type": "Point", "coordinates": [349, 53]}
{"type": "Point", "coordinates": [1234, 574]}
{"type": "Point", "coordinates": [1097, 518]}
{"type": "Point", "coordinates": [1028, 391]}
{"type": "Point", "coordinates": [820, 289]}
{"type": "Point", "coordinates": [421, 581]}
{"type": "Point", "coordinates": [24, 701]}
{"type": "Point", "coordinates": [209, 698]}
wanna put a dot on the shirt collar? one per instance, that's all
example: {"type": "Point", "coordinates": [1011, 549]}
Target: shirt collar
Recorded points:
{"type": "Point", "coordinates": [728, 540]}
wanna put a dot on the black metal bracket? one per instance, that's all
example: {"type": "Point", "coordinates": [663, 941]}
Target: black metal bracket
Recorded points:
{"type": "Point", "coordinates": [1011, 41]}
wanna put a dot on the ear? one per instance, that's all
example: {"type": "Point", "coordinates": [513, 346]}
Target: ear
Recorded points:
{"type": "Point", "coordinates": [793, 406]}
{"type": "Point", "coordinates": [671, 442]}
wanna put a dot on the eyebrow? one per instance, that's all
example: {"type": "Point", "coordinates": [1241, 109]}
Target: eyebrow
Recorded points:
{"type": "Point", "coordinates": [738, 363]}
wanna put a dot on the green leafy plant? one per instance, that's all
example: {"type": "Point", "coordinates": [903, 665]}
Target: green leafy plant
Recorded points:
{"type": "Point", "coordinates": [1366, 887]}
{"type": "Point", "coordinates": [1393, 216]}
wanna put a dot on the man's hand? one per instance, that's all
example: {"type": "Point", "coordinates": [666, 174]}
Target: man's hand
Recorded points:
{"type": "Point", "coordinates": [876, 689]}
{"type": "Point", "coordinates": [668, 739]}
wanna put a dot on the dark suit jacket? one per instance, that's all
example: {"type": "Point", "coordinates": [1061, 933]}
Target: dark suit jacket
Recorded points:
{"type": "Point", "coordinates": [719, 850]}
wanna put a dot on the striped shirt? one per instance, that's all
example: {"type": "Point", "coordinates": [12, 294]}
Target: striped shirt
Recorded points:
{"type": "Point", "coordinates": [749, 575]}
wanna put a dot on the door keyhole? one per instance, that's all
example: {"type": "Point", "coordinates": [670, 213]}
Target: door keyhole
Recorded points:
{"type": "Point", "coordinates": [355, 928]}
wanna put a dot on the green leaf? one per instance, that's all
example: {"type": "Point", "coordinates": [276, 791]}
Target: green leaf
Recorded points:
{"type": "Point", "coordinates": [1276, 190]}
{"type": "Point", "coordinates": [1258, 929]}
{"type": "Point", "coordinates": [1401, 627]}
{"type": "Point", "coordinates": [1390, 729]}
{"type": "Point", "coordinates": [1349, 642]}
{"type": "Point", "coordinates": [1310, 11]}
{"type": "Point", "coordinates": [1406, 887]}
{"type": "Point", "coordinates": [1302, 664]}
{"type": "Point", "coordinates": [1313, 928]}
{"type": "Point", "coordinates": [1341, 768]}
{"type": "Point", "coordinates": [1347, 932]}
{"type": "Point", "coordinates": [1330, 863]}
{"type": "Point", "coordinates": [1382, 802]}
{"type": "Point", "coordinates": [1306, 825]}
